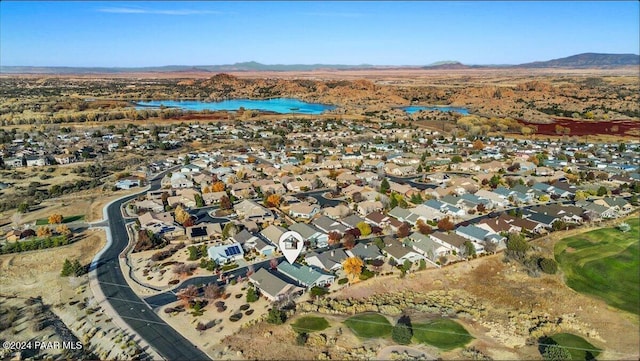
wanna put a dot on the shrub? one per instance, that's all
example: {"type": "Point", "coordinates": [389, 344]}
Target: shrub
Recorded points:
{"type": "Point", "coordinates": [366, 274]}
{"type": "Point", "coordinates": [548, 265]}
{"type": "Point", "coordinates": [342, 281]}
{"type": "Point", "coordinates": [302, 338]}
{"type": "Point", "coordinates": [276, 316]}
{"type": "Point", "coordinates": [252, 295]}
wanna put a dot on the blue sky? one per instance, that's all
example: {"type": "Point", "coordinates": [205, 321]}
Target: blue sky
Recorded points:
{"type": "Point", "coordinates": [130, 34]}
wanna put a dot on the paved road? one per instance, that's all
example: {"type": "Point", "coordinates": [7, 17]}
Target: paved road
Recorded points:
{"type": "Point", "coordinates": [135, 312]}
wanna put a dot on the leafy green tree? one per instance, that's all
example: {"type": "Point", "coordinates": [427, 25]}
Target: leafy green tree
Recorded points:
{"type": "Point", "coordinates": [456, 159]}
{"type": "Point", "coordinates": [516, 246]}
{"type": "Point", "coordinates": [365, 229]}
{"type": "Point", "coordinates": [469, 249]}
{"type": "Point", "coordinates": [602, 191]}
{"type": "Point", "coordinates": [229, 230]}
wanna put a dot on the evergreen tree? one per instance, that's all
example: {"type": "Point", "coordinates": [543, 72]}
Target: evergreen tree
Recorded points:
{"type": "Point", "coordinates": [384, 186]}
{"type": "Point", "coordinates": [67, 268]}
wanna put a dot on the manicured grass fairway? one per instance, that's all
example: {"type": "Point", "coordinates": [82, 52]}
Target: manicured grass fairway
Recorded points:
{"type": "Point", "coordinates": [579, 344]}
{"type": "Point", "coordinates": [310, 324]}
{"type": "Point", "coordinates": [444, 334]}
{"type": "Point", "coordinates": [604, 263]}
{"type": "Point", "coordinates": [369, 325]}
{"type": "Point", "coordinates": [45, 221]}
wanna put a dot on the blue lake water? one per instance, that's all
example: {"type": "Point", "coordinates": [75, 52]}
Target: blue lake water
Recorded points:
{"type": "Point", "coordinates": [276, 105]}
{"type": "Point", "coordinates": [413, 109]}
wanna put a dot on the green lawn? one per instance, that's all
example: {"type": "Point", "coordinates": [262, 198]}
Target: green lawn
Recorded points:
{"type": "Point", "coordinates": [310, 324]}
{"type": "Point", "coordinates": [576, 345]}
{"type": "Point", "coordinates": [45, 221]}
{"type": "Point", "coordinates": [369, 325]}
{"type": "Point", "coordinates": [604, 263]}
{"type": "Point", "coordinates": [444, 334]}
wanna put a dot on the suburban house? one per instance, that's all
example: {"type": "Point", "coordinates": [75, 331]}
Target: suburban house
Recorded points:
{"type": "Point", "coordinates": [399, 252]}
{"type": "Point", "coordinates": [179, 180]}
{"type": "Point", "coordinates": [160, 223]}
{"type": "Point", "coordinates": [329, 260]}
{"type": "Point", "coordinates": [304, 210]}
{"type": "Point", "coordinates": [314, 236]}
{"type": "Point", "coordinates": [498, 225]}
{"type": "Point", "coordinates": [127, 183]}
{"type": "Point", "coordinates": [495, 199]}
{"type": "Point", "coordinates": [203, 232]}
{"type": "Point", "coordinates": [213, 197]}
{"type": "Point", "coordinates": [377, 219]}
{"type": "Point", "coordinates": [272, 287]}
{"type": "Point", "coordinates": [367, 207]}
{"type": "Point", "coordinates": [352, 221]}
{"type": "Point", "coordinates": [272, 233]}
{"type": "Point", "coordinates": [455, 242]}
{"type": "Point", "coordinates": [305, 275]}
{"type": "Point", "coordinates": [149, 205]}
{"type": "Point", "coordinates": [427, 246]}
{"type": "Point", "coordinates": [242, 190]}
{"type": "Point", "coordinates": [35, 161]}
{"type": "Point", "coordinates": [226, 253]}
{"type": "Point", "coordinates": [365, 252]}
{"type": "Point", "coordinates": [479, 236]}
{"type": "Point", "coordinates": [327, 225]}
{"type": "Point", "coordinates": [251, 210]}
{"type": "Point", "coordinates": [545, 220]}
{"type": "Point", "coordinates": [523, 224]}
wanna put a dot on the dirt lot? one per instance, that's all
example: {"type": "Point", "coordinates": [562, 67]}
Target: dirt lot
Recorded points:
{"type": "Point", "coordinates": [37, 274]}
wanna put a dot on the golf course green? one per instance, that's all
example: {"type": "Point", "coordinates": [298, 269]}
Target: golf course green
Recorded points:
{"type": "Point", "coordinates": [604, 263]}
{"type": "Point", "coordinates": [310, 324]}
{"type": "Point", "coordinates": [443, 333]}
{"type": "Point", "coordinates": [369, 325]}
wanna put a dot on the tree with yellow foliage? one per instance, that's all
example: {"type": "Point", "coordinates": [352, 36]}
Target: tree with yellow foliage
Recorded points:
{"type": "Point", "coordinates": [55, 218]}
{"type": "Point", "coordinates": [43, 231]}
{"type": "Point", "coordinates": [63, 229]}
{"type": "Point", "coordinates": [353, 267]}
{"type": "Point", "coordinates": [273, 200]}
{"type": "Point", "coordinates": [206, 189]}
{"type": "Point", "coordinates": [181, 215]}
{"type": "Point", "coordinates": [478, 144]}
{"type": "Point", "coordinates": [217, 187]}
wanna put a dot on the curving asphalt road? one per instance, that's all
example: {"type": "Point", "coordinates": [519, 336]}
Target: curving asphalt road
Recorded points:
{"type": "Point", "coordinates": [133, 310]}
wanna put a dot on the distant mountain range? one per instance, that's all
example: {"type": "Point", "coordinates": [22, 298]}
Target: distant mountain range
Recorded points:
{"type": "Point", "coordinates": [580, 61]}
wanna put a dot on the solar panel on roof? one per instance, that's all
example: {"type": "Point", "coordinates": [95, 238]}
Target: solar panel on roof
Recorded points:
{"type": "Point", "coordinates": [232, 251]}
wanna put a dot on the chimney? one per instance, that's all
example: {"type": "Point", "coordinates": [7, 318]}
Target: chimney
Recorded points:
{"type": "Point", "coordinates": [333, 253]}
{"type": "Point", "coordinates": [365, 246]}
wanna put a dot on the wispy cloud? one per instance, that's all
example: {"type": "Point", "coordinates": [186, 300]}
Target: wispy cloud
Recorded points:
{"type": "Point", "coordinates": [179, 12]}
{"type": "Point", "coordinates": [336, 14]}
